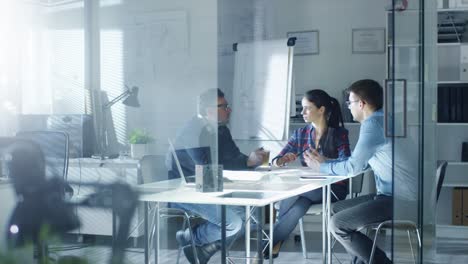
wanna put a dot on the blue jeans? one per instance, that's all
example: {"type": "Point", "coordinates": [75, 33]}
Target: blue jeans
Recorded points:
{"type": "Point", "coordinates": [294, 208]}
{"type": "Point", "coordinates": [210, 231]}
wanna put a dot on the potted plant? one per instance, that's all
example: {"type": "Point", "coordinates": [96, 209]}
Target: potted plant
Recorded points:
{"type": "Point", "coordinates": [138, 140]}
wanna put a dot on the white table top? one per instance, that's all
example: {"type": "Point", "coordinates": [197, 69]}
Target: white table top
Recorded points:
{"type": "Point", "coordinates": [106, 163]}
{"type": "Point", "coordinates": [269, 186]}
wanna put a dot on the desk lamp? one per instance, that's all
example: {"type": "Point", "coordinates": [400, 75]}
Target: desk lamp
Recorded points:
{"type": "Point", "coordinates": [130, 98]}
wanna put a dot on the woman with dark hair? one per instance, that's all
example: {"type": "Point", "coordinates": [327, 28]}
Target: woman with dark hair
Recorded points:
{"type": "Point", "coordinates": [324, 133]}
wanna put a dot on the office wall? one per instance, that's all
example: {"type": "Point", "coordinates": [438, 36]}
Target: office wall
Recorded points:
{"type": "Point", "coordinates": [335, 67]}
{"type": "Point", "coordinates": [166, 48]}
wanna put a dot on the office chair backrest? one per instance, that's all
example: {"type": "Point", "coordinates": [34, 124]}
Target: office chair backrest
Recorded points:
{"type": "Point", "coordinates": [25, 163]}
{"type": "Point", "coordinates": [54, 145]}
{"type": "Point", "coordinates": [440, 176]}
{"type": "Point", "coordinates": [5, 142]}
{"type": "Point", "coordinates": [357, 182]}
{"type": "Point", "coordinates": [184, 161]}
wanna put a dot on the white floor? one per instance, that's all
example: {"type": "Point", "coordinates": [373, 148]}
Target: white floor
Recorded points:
{"type": "Point", "coordinates": [449, 252]}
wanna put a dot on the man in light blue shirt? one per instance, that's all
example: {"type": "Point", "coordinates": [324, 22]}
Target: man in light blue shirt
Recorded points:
{"type": "Point", "coordinates": [372, 150]}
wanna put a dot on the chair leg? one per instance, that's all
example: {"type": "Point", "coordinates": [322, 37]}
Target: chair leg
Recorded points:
{"type": "Point", "coordinates": [184, 224]}
{"type": "Point", "coordinates": [411, 245]}
{"type": "Point", "coordinates": [303, 242]}
{"type": "Point", "coordinates": [419, 238]}
{"type": "Point", "coordinates": [191, 238]}
{"type": "Point", "coordinates": [333, 253]}
{"type": "Point", "coordinates": [374, 244]}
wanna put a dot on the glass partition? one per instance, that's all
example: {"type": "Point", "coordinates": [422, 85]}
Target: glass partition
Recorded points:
{"type": "Point", "coordinates": [147, 90]}
{"type": "Point", "coordinates": [411, 105]}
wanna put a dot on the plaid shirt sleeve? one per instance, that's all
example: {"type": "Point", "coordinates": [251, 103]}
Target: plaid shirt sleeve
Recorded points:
{"type": "Point", "coordinates": [342, 144]}
{"type": "Point", "coordinates": [291, 146]}
{"type": "Point", "coordinates": [302, 138]}
{"type": "Point", "coordinates": [298, 141]}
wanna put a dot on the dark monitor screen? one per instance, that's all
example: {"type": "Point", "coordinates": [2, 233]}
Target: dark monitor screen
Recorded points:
{"type": "Point", "coordinates": [188, 158]}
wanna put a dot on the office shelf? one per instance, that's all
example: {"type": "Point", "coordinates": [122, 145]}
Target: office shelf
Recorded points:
{"type": "Point", "coordinates": [452, 124]}
{"type": "Point", "coordinates": [449, 44]}
{"type": "Point", "coordinates": [452, 82]}
{"type": "Point", "coordinates": [407, 45]}
{"type": "Point", "coordinates": [457, 163]}
{"type": "Point", "coordinates": [452, 25]}
{"type": "Point", "coordinates": [452, 10]}
{"type": "Point", "coordinates": [456, 174]}
{"type": "Point", "coordinates": [452, 231]}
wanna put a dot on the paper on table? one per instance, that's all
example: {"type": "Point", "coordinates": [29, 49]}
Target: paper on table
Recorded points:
{"type": "Point", "coordinates": [243, 175]}
{"type": "Point", "coordinates": [298, 172]}
{"type": "Point", "coordinates": [270, 175]}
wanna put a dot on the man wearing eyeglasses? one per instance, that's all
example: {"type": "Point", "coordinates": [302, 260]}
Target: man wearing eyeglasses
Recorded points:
{"type": "Point", "coordinates": [209, 128]}
{"type": "Point", "coordinates": [373, 150]}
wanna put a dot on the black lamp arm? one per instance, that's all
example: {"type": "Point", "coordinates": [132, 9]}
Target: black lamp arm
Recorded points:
{"type": "Point", "coordinates": [116, 99]}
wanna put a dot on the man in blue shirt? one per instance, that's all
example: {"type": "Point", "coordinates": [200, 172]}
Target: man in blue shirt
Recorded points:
{"type": "Point", "coordinates": [373, 150]}
{"type": "Point", "coordinates": [209, 129]}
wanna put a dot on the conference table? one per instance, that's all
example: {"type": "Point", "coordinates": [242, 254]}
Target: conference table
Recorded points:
{"type": "Point", "coordinates": [243, 188]}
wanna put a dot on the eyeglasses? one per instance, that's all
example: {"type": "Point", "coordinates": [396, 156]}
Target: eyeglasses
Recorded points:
{"type": "Point", "coordinates": [348, 103]}
{"type": "Point", "coordinates": [225, 107]}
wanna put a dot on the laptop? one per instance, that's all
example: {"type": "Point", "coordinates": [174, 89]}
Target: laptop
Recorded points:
{"type": "Point", "coordinates": [184, 161]}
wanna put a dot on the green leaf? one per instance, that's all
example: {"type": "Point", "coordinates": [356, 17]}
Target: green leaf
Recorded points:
{"type": "Point", "coordinates": [139, 136]}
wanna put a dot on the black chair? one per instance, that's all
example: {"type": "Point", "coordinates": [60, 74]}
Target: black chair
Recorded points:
{"type": "Point", "coordinates": [41, 211]}
{"type": "Point", "coordinates": [55, 148]}
{"type": "Point", "coordinates": [405, 224]}
{"type": "Point", "coordinates": [440, 176]}
{"type": "Point", "coordinates": [54, 145]}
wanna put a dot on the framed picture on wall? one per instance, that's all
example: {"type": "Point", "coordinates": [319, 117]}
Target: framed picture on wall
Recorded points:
{"type": "Point", "coordinates": [307, 42]}
{"type": "Point", "coordinates": [395, 108]}
{"type": "Point", "coordinates": [368, 40]}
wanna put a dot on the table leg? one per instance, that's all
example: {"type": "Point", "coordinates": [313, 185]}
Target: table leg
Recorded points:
{"type": "Point", "coordinates": [114, 227]}
{"type": "Point", "coordinates": [247, 234]}
{"type": "Point", "coordinates": [260, 234]}
{"type": "Point", "coordinates": [156, 239]}
{"type": "Point", "coordinates": [328, 224]}
{"type": "Point", "coordinates": [324, 224]}
{"type": "Point", "coordinates": [223, 234]}
{"type": "Point", "coordinates": [146, 237]}
{"type": "Point", "coordinates": [272, 217]}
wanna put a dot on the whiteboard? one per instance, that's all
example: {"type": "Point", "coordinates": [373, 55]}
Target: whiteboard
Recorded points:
{"type": "Point", "coordinates": [262, 90]}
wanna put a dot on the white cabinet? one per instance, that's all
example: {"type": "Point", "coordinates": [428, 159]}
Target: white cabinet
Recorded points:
{"type": "Point", "coordinates": [99, 221]}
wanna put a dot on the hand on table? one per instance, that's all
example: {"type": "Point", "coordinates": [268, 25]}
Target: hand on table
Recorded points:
{"type": "Point", "coordinates": [287, 158]}
{"type": "Point", "coordinates": [317, 156]}
{"type": "Point", "coordinates": [311, 162]}
{"type": "Point", "coordinates": [257, 157]}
